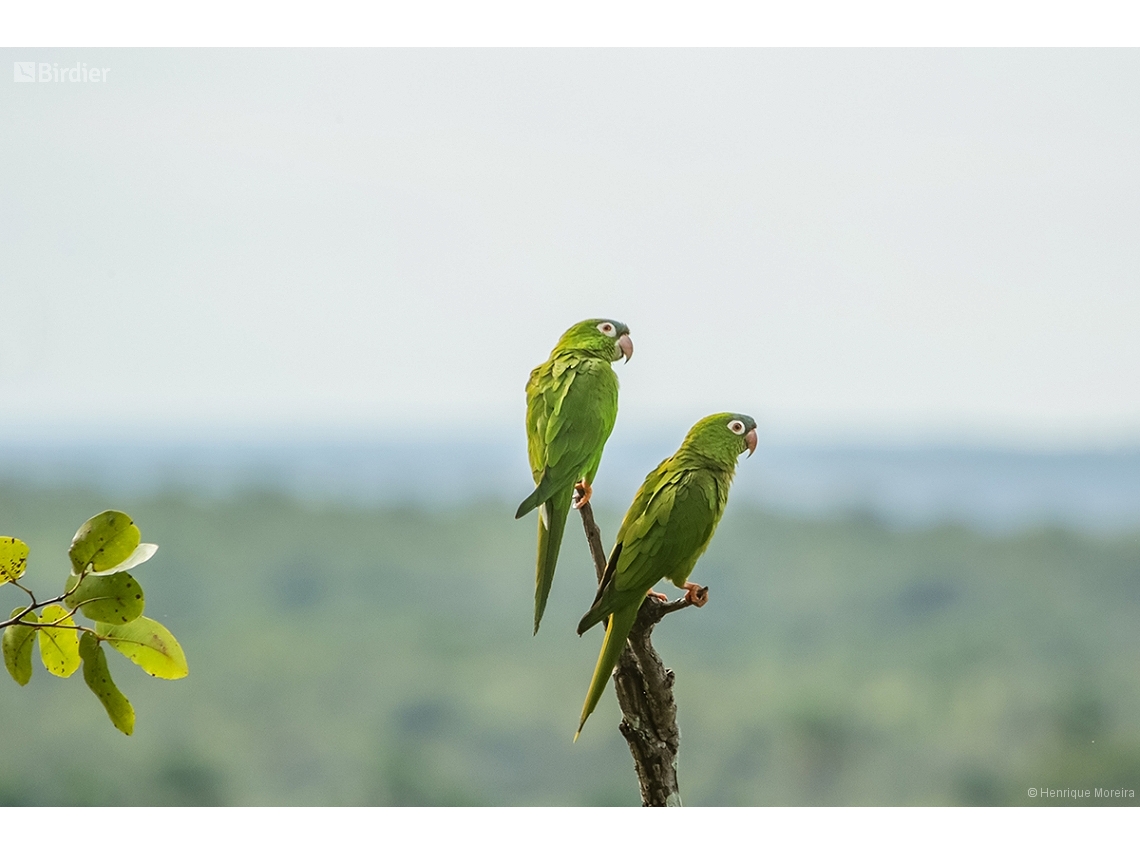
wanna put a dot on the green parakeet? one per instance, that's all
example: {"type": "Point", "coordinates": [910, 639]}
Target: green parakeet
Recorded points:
{"type": "Point", "coordinates": [571, 406]}
{"type": "Point", "coordinates": [665, 531]}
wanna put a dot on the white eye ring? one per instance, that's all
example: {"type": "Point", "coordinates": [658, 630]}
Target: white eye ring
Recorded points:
{"type": "Point", "coordinates": [606, 328]}
{"type": "Point", "coordinates": [736, 426]}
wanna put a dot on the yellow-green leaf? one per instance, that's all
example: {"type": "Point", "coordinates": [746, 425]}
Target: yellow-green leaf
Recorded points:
{"type": "Point", "coordinates": [149, 645]}
{"type": "Point", "coordinates": [59, 645]}
{"type": "Point", "coordinates": [112, 599]}
{"type": "Point", "coordinates": [98, 680]}
{"type": "Point", "coordinates": [104, 541]}
{"type": "Point", "coordinates": [17, 643]}
{"type": "Point", "coordinates": [13, 559]}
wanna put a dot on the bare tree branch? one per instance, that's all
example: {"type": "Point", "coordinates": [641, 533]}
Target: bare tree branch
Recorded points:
{"type": "Point", "coordinates": [644, 688]}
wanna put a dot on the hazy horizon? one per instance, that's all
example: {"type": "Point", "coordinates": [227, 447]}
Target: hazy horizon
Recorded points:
{"type": "Point", "coordinates": [989, 489]}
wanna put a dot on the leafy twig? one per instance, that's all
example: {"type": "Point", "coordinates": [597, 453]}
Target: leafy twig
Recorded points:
{"type": "Point", "coordinates": [37, 604]}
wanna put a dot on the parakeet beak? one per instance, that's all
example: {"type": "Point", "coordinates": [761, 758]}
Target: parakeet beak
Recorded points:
{"type": "Point", "coordinates": [750, 441]}
{"type": "Point", "coordinates": [625, 345]}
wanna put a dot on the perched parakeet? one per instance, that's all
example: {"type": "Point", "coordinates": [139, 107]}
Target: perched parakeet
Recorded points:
{"type": "Point", "coordinates": [665, 531]}
{"type": "Point", "coordinates": [571, 406]}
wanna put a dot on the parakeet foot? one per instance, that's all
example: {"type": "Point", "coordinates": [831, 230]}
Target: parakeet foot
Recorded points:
{"type": "Point", "coordinates": [582, 494]}
{"type": "Point", "coordinates": [696, 594]}
{"type": "Point", "coordinates": [658, 596]}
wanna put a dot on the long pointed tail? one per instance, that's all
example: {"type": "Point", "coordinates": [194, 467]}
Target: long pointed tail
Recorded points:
{"type": "Point", "coordinates": [551, 526]}
{"type": "Point", "coordinates": [621, 622]}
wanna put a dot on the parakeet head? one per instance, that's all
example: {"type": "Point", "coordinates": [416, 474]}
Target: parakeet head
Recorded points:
{"type": "Point", "coordinates": [722, 437]}
{"type": "Point", "coordinates": [600, 338]}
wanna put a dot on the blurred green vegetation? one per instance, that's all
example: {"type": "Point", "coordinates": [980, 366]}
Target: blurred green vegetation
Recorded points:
{"type": "Point", "coordinates": [342, 655]}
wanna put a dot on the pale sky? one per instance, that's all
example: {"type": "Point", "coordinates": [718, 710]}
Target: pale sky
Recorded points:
{"type": "Point", "coordinates": [850, 243]}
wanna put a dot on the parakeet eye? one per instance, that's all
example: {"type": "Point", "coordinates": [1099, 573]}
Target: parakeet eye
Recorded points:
{"type": "Point", "coordinates": [606, 328]}
{"type": "Point", "coordinates": [736, 426]}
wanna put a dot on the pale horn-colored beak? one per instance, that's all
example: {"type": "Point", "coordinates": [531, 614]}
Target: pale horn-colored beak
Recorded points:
{"type": "Point", "coordinates": [625, 345]}
{"type": "Point", "coordinates": [750, 441]}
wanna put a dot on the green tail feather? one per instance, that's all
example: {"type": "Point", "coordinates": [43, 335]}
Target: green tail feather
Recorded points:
{"type": "Point", "coordinates": [616, 633]}
{"type": "Point", "coordinates": [542, 492]}
{"type": "Point", "coordinates": [596, 614]}
{"type": "Point", "coordinates": [554, 515]}
{"type": "Point", "coordinates": [529, 503]}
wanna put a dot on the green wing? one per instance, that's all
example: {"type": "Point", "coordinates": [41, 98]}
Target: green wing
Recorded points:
{"type": "Point", "coordinates": [571, 410]}
{"type": "Point", "coordinates": [669, 525]}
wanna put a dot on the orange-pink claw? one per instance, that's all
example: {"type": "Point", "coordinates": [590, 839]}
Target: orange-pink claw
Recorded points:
{"type": "Point", "coordinates": [696, 594]}
{"type": "Point", "coordinates": [583, 492]}
{"type": "Point", "coordinates": [662, 597]}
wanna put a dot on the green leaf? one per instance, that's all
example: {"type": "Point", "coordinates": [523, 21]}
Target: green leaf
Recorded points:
{"type": "Point", "coordinates": [59, 645]}
{"type": "Point", "coordinates": [13, 559]}
{"type": "Point", "coordinates": [149, 645]}
{"type": "Point", "coordinates": [112, 599]}
{"type": "Point", "coordinates": [98, 679]}
{"type": "Point", "coordinates": [18, 643]}
{"type": "Point", "coordinates": [103, 542]}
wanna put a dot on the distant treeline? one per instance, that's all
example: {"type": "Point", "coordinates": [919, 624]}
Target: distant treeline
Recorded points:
{"type": "Point", "coordinates": [353, 655]}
